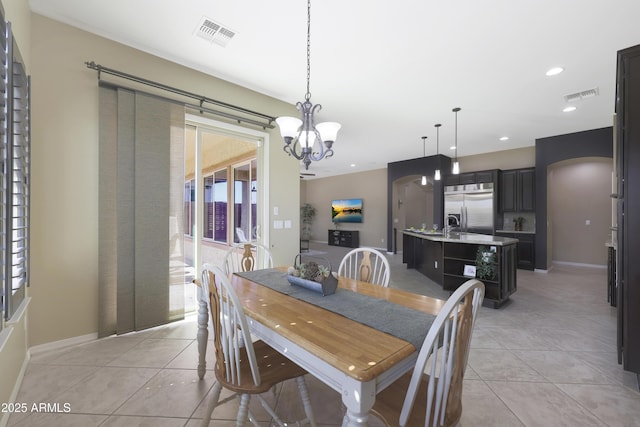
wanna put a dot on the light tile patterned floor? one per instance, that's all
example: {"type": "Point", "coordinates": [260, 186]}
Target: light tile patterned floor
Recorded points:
{"type": "Point", "coordinates": [547, 358]}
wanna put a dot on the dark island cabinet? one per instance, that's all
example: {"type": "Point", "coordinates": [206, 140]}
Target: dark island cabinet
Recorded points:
{"type": "Point", "coordinates": [423, 255]}
{"type": "Point", "coordinates": [458, 257]}
{"type": "Point", "coordinates": [517, 190]}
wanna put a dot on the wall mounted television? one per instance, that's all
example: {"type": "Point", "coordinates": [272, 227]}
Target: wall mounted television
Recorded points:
{"type": "Point", "coordinates": [346, 210]}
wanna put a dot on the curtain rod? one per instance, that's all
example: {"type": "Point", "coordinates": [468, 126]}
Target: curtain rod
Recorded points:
{"type": "Point", "coordinates": [92, 65]}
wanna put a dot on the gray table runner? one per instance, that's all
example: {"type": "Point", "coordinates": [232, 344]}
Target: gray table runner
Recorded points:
{"type": "Point", "coordinates": [401, 322]}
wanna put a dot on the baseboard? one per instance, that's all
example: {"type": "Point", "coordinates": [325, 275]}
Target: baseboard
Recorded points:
{"type": "Point", "coordinates": [56, 345]}
{"type": "Point", "coordinates": [579, 264]}
{"type": "Point", "coordinates": [4, 420]}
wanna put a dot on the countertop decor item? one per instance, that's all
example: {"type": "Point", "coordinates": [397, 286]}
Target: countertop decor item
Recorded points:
{"type": "Point", "coordinates": [303, 139]}
{"type": "Point", "coordinates": [313, 276]}
{"type": "Point", "coordinates": [517, 223]}
{"type": "Point", "coordinates": [485, 263]}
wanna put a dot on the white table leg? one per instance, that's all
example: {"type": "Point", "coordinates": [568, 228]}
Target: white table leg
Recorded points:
{"type": "Point", "coordinates": [358, 398]}
{"type": "Point", "coordinates": [203, 332]}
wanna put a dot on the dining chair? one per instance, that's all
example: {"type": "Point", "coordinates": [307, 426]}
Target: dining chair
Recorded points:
{"type": "Point", "coordinates": [242, 366]}
{"type": "Point", "coordinates": [247, 256]}
{"type": "Point", "coordinates": [242, 238]}
{"type": "Point", "coordinates": [367, 265]}
{"type": "Point", "coordinates": [432, 396]}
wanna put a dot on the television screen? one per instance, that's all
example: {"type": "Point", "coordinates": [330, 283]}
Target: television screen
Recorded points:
{"type": "Point", "coordinates": [346, 210]}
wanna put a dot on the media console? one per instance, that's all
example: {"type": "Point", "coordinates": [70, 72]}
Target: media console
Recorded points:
{"type": "Point", "coordinates": [345, 238]}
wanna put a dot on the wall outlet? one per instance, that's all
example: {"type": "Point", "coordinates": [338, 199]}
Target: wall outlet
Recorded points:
{"type": "Point", "coordinates": [587, 222]}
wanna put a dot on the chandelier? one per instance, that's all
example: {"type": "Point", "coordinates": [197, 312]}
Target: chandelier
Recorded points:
{"type": "Point", "coordinates": [303, 139]}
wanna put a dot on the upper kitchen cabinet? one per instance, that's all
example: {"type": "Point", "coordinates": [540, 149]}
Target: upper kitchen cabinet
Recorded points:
{"type": "Point", "coordinates": [517, 190]}
{"type": "Point", "coordinates": [480, 177]}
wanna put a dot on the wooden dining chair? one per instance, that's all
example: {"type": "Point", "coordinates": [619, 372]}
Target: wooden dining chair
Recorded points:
{"type": "Point", "coordinates": [244, 367]}
{"type": "Point", "coordinates": [432, 396]}
{"type": "Point", "coordinates": [247, 256]}
{"type": "Point", "coordinates": [367, 265]}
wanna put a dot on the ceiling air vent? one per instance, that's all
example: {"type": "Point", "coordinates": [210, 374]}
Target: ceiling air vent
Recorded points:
{"type": "Point", "coordinates": [579, 96]}
{"type": "Point", "coordinates": [214, 32]}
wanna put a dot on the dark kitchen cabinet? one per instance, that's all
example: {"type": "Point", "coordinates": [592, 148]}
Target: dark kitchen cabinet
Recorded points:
{"type": "Point", "coordinates": [526, 251]}
{"type": "Point", "coordinates": [517, 190]}
{"type": "Point", "coordinates": [627, 138]}
{"type": "Point", "coordinates": [480, 177]}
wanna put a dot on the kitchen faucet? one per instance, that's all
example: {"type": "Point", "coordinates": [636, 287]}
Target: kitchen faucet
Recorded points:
{"type": "Point", "coordinates": [456, 220]}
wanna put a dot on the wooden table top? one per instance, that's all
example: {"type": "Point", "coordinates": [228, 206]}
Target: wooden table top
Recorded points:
{"type": "Point", "coordinates": [358, 350]}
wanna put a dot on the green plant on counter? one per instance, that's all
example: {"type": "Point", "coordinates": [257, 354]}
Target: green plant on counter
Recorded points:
{"type": "Point", "coordinates": [518, 223]}
{"type": "Point", "coordinates": [486, 266]}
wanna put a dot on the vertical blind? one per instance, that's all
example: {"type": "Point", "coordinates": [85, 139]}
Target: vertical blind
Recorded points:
{"type": "Point", "coordinates": [141, 260]}
{"type": "Point", "coordinates": [14, 174]}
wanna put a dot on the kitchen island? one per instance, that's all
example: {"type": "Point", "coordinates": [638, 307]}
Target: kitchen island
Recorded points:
{"type": "Point", "coordinates": [450, 259]}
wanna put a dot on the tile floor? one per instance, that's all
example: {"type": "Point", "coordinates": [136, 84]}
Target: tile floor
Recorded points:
{"type": "Point", "coordinates": [547, 358]}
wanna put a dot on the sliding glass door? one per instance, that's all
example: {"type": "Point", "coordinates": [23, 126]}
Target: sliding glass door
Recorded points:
{"type": "Point", "coordinates": [223, 200]}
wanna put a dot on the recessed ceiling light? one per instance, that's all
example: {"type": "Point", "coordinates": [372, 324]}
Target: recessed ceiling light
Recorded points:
{"type": "Point", "coordinates": [453, 147]}
{"type": "Point", "coordinates": [504, 138]}
{"type": "Point", "coordinates": [569, 109]}
{"type": "Point", "coordinates": [554, 71]}
{"type": "Point", "coordinates": [353, 165]}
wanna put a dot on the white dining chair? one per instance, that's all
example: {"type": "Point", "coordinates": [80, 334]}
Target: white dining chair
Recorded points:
{"type": "Point", "coordinates": [244, 367]}
{"type": "Point", "coordinates": [247, 256]}
{"type": "Point", "coordinates": [432, 396]}
{"type": "Point", "coordinates": [367, 265]}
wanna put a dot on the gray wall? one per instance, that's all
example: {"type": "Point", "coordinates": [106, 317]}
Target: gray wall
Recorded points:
{"type": "Point", "coordinates": [591, 143]}
{"type": "Point", "coordinates": [369, 186]}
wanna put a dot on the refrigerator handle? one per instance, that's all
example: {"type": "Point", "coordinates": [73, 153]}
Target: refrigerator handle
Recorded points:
{"type": "Point", "coordinates": [463, 219]}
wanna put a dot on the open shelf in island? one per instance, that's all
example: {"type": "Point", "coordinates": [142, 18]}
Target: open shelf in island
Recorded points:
{"type": "Point", "coordinates": [452, 259]}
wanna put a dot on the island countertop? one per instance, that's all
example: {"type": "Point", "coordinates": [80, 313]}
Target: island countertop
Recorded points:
{"type": "Point", "coordinates": [455, 237]}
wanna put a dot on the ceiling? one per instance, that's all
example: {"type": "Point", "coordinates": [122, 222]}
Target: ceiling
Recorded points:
{"type": "Point", "coordinates": [389, 73]}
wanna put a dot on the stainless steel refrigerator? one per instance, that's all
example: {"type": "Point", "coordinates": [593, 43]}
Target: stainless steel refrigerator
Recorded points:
{"type": "Point", "coordinates": [469, 208]}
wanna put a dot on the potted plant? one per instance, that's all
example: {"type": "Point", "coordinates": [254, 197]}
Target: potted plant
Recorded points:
{"type": "Point", "coordinates": [307, 214]}
{"type": "Point", "coordinates": [486, 266]}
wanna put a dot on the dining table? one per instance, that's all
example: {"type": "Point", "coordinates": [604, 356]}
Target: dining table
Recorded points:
{"type": "Point", "coordinates": [357, 349]}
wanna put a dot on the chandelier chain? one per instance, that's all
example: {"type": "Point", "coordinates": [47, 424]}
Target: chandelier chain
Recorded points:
{"type": "Point", "coordinates": [308, 94]}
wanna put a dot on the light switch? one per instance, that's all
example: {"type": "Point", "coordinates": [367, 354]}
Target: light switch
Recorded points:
{"type": "Point", "coordinates": [277, 224]}
{"type": "Point", "coordinates": [587, 222]}
{"type": "Point", "coordinates": [288, 223]}
{"type": "Point", "coordinates": [275, 210]}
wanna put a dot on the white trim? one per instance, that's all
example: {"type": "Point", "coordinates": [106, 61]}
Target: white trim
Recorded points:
{"type": "Point", "coordinates": [579, 264]}
{"type": "Point", "coordinates": [56, 345]}
{"type": "Point", "coordinates": [21, 311]}
{"type": "Point", "coordinates": [16, 388]}
{"type": "Point", "coordinates": [261, 138]}
{"type": "Point", "coordinates": [4, 336]}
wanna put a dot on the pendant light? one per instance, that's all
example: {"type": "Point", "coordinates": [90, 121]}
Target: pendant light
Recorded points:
{"type": "Point", "coordinates": [456, 165]}
{"type": "Point", "coordinates": [424, 153]}
{"type": "Point", "coordinates": [303, 139]}
{"type": "Point", "coordinates": [436, 175]}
